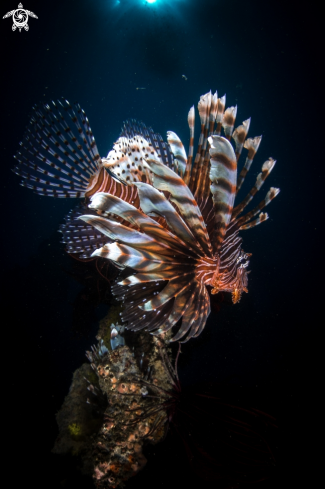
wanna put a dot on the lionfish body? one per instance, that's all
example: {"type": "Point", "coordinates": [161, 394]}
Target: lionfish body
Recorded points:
{"type": "Point", "coordinates": [153, 210]}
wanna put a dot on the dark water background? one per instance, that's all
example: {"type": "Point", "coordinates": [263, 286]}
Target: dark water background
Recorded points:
{"type": "Point", "coordinates": [266, 57]}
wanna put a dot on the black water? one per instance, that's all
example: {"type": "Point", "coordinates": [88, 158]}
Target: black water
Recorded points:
{"type": "Point", "coordinates": [266, 57]}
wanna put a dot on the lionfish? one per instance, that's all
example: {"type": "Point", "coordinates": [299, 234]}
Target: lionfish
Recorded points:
{"type": "Point", "coordinates": [166, 217]}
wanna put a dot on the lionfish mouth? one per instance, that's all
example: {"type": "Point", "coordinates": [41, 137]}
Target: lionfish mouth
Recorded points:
{"type": "Point", "coordinates": [168, 218]}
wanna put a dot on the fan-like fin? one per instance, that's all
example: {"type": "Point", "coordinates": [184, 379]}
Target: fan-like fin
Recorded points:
{"type": "Point", "coordinates": [200, 317]}
{"type": "Point", "coordinates": [192, 327]}
{"type": "Point", "coordinates": [204, 312]}
{"type": "Point", "coordinates": [150, 320]}
{"type": "Point", "coordinates": [174, 287]}
{"type": "Point", "coordinates": [165, 274]}
{"type": "Point", "coordinates": [165, 179]}
{"type": "Point", "coordinates": [133, 296]}
{"type": "Point", "coordinates": [155, 203]}
{"type": "Point", "coordinates": [190, 314]}
{"type": "Point", "coordinates": [58, 155]}
{"type": "Point", "coordinates": [79, 237]}
{"type": "Point", "coordinates": [182, 302]}
{"type": "Point", "coordinates": [110, 205]}
{"type": "Point", "coordinates": [126, 235]}
{"type": "Point", "coordinates": [127, 256]}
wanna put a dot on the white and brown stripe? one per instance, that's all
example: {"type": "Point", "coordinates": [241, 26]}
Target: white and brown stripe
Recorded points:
{"type": "Point", "coordinates": [252, 145]}
{"type": "Point", "coordinates": [178, 150]}
{"type": "Point", "coordinates": [191, 123]}
{"type": "Point", "coordinates": [239, 136]}
{"type": "Point", "coordinates": [261, 177]}
{"type": "Point", "coordinates": [223, 176]}
{"type": "Point", "coordinates": [228, 121]}
{"type": "Point", "coordinates": [220, 112]}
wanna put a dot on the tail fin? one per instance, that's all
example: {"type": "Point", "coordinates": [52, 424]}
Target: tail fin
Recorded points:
{"type": "Point", "coordinates": [58, 156]}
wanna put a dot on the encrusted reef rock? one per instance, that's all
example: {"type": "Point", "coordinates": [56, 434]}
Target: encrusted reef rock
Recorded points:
{"type": "Point", "coordinates": [118, 446]}
{"type": "Point", "coordinates": [115, 405]}
{"type": "Point", "coordinates": [76, 420]}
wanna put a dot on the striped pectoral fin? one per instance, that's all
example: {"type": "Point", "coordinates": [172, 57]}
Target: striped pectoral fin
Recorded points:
{"type": "Point", "coordinates": [191, 314]}
{"type": "Point", "coordinates": [178, 150]}
{"type": "Point", "coordinates": [112, 205]}
{"type": "Point", "coordinates": [150, 320]}
{"type": "Point", "coordinates": [167, 273]}
{"type": "Point", "coordinates": [205, 310]}
{"type": "Point", "coordinates": [182, 302]}
{"type": "Point", "coordinates": [127, 256]}
{"type": "Point", "coordinates": [154, 202]}
{"type": "Point", "coordinates": [166, 179]}
{"type": "Point", "coordinates": [174, 287]}
{"type": "Point", "coordinates": [198, 320]}
{"type": "Point", "coordinates": [132, 297]}
{"type": "Point", "coordinates": [126, 235]}
{"type": "Point", "coordinates": [223, 176]}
